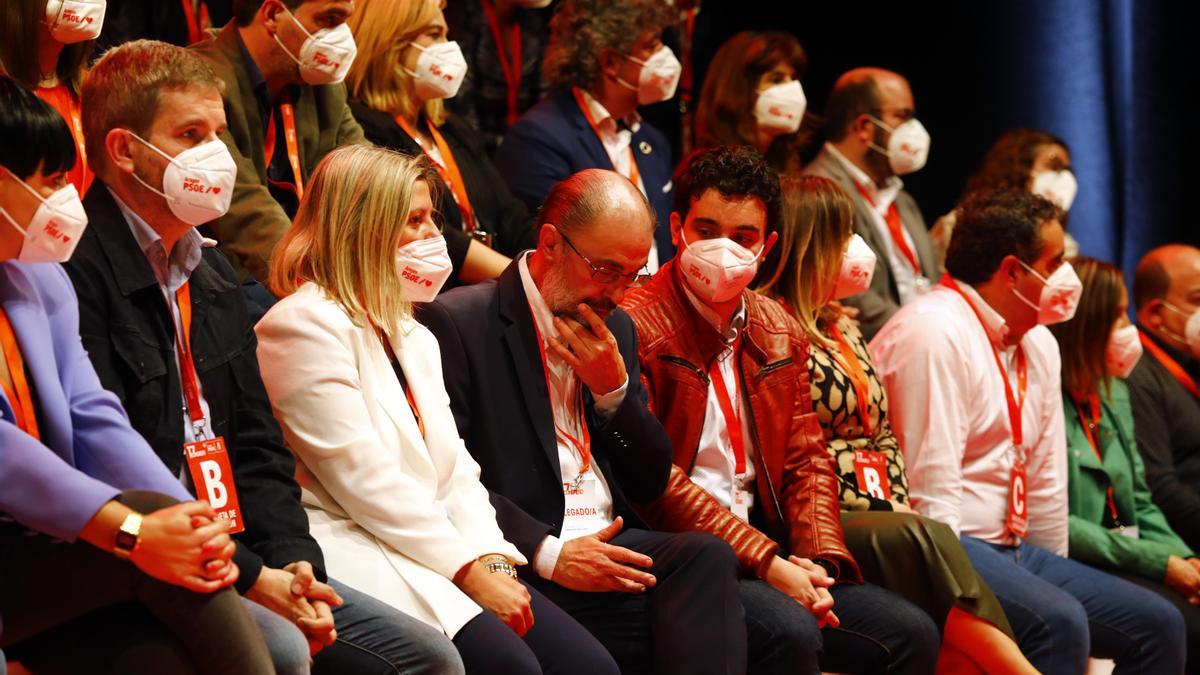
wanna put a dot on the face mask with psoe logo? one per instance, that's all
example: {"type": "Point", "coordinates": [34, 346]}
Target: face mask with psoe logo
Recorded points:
{"type": "Point", "coordinates": [423, 265]}
{"type": "Point", "coordinates": [55, 228]}
{"type": "Point", "coordinates": [441, 68]}
{"type": "Point", "coordinates": [198, 182]}
{"type": "Point", "coordinates": [659, 76]}
{"type": "Point", "coordinates": [1059, 297]}
{"type": "Point", "coordinates": [72, 21]}
{"type": "Point", "coordinates": [718, 270]}
{"type": "Point", "coordinates": [1123, 351]}
{"type": "Point", "coordinates": [781, 108]}
{"type": "Point", "coordinates": [326, 55]}
{"type": "Point", "coordinates": [907, 148]}
{"type": "Point", "coordinates": [858, 268]}
{"type": "Point", "coordinates": [1057, 186]}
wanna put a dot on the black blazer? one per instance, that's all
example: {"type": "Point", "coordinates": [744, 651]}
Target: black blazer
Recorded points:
{"type": "Point", "coordinates": [496, 209]}
{"type": "Point", "coordinates": [129, 335]}
{"type": "Point", "coordinates": [498, 394]}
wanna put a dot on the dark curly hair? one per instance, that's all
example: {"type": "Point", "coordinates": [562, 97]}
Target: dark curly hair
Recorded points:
{"type": "Point", "coordinates": [1007, 164]}
{"type": "Point", "coordinates": [992, 225]}
{"type": "Point", "coordinates": [733, 171]}
{"type": "Point", "coordinates": [582, 29]}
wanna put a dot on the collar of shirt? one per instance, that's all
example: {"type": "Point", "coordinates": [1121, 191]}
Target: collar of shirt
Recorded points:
{"type": "Point", "coordinates": [736, 323]}
{"type": "Point", "coordinates": [543, 318]}
{"type": "Point", "coordinates": [994, 324]}
{"type": "Point", "coordinates": [882, 196]}
{"type": "Point", "coordinates": [606, 123]}
{"type": "Point", "coordinates": [170, 270]}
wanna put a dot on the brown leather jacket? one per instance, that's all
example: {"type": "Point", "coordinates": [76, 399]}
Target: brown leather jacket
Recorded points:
{"type": "Point", "coordinates": [797, 488]}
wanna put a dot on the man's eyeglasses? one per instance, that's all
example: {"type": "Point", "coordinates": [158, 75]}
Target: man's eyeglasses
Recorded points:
{"type": "Point", "coordinates": [606, 275]}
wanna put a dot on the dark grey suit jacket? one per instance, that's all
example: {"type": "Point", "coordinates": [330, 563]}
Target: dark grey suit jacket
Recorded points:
{"type": "Point", "coordinates": [882, 299]}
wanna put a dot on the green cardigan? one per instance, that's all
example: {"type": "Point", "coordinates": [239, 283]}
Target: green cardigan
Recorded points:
{"type": "Point", "coordinates": [1091, 542]}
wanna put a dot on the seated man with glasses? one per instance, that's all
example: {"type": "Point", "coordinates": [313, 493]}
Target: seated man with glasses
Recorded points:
{"type": "Point", "coordinates": [542, 372]}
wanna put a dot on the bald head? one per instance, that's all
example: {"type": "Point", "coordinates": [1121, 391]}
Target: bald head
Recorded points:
{"type": "Point", "coordinates": [584, 199]}
{"type": "Point", "coordinates": [1160, 268]}
{"type": "Point", "coordinates": [863, 91]}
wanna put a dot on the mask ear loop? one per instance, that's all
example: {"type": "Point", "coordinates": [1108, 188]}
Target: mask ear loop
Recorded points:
{"type": "Point", "coordinates": [30, 190]}
{"type": "Point", "coordinates": [283, 46]}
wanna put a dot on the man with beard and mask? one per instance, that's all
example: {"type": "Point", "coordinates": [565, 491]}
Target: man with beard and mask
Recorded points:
{"type": "Point", "coordinates": [873, 138]}
{"type": "Point", "coordinates": [974, 380]}
{"type": "Point", "coordinates": [165, 325]}
{"type": "Point", "coordinates": [544, 383]}
{"type": "Point", "coordinates": [604, 59]}
{"type": "Point", "coordinates": [1163, 386]}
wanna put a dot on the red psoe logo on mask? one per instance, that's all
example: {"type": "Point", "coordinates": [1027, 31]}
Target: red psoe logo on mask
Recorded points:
{"type": "Point", "coordinates": [194, 185]}
{"type": "Point", "coordinates": [409, 274]}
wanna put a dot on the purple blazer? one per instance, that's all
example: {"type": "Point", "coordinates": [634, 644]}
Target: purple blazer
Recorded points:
{"type": "Point", "coordinates": [88, 453]}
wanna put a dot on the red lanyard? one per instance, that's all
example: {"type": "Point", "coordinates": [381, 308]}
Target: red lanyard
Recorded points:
{"type": "Point", "coordinates": [197, 20]}
{"type": "Point", "coordinates": [187, 366]}
{"type": "Point", "coordinates": [293, 145]}
{"type": "Point", "coordinates": [733, 421]}
{"type": "Point", "coordinates": [1091, 426]}
{"type": "Point", "coordinates": [19, 396]}
{"type": "Point", "coordinates": [1170, 364]}
{"type": "Point", "coordinates": [1015, 403]}
{"type": "Point", "coordinates": [583, 446]}
{"type": "Point", "coordinates": [858, 377]}
{"type": "Point", "coordinates": [510, 67]}
{"type": "Point", "coordinates": [447, 169]}
{"type": "Point", "coordinates": [634, 177]}
{"type": "Point", "coordinates": [895, 228]}
{"type": "Point", "coordinates": [412, 402]}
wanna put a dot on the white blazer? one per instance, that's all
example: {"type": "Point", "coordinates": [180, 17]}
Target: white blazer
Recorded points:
{"type": "Point", "coordinates": [397, 515]}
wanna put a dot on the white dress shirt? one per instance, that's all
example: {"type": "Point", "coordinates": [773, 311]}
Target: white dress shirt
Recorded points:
{"type": "Point", "coordinates": [566, 405]}
{"type": "Point", "coordinates": [715, 469]}
{"type": "Point", "coordinates": [909, 283]}
{"type": "Point", "coordinates": [950, 413]}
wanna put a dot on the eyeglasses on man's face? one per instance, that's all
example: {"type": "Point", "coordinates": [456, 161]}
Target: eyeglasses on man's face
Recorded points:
{"type": "Point", "coordinates": [608, 276]}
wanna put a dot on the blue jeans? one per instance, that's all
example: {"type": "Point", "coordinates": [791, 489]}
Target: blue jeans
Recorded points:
{"type": "Point", "coordinates": [1062, 611]}
{"type": "Point", "coordinates": [881, 632]}
{"type": "Point", "coordinates": [781, 636]}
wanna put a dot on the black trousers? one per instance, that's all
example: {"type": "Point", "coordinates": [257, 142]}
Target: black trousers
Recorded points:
{"type": "Point", "coordinates": [72, 608]}
{"type": "Point", "coordinates": [691, 622]}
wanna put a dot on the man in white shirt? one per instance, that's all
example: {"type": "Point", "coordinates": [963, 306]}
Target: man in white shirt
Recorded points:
{"type": "Point", "coordinates": [974, 386]}
{"type": "Point", "coordinates": [873, 138]}
{"type": "Point", "coordinates": [542, 372]}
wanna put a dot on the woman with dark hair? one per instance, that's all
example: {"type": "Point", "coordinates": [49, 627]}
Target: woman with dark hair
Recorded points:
{"type": "Point", "coordinates": [752, 96]}
{"type": "Point", "coordinates": [817, 261]}
{"type": "Point", "coordinates": [1114, 524]}
{"type": "Point", "coordinates": [44, 46]}
{"type": "Point", "coordinates": [1022, 159]}
{"type": "Point", "coordinates": [97, 553]}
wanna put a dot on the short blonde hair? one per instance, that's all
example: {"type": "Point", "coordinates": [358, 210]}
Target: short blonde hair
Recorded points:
{"type": "Point", "coordinates": [383, 29]}
{"type": "Point", "coordinates": [348, 229]}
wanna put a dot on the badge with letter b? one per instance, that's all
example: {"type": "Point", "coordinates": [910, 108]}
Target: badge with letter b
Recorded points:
{"type": "Point", "coordinates": [208, 463]}
{"type": "Point", "coordinates": [1018, 515]}
{"type": "Point", "coordinates": [870, 468]}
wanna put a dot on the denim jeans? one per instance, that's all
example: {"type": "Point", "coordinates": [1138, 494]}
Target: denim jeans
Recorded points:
{"type": "Point", "coordinates": [782, 637]}
{"type": "Point", "coordinates": [1062, 611]}
{"type": "Point", "coordinates": [880, 632]}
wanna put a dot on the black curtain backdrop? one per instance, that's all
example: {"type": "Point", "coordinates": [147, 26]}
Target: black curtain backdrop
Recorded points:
{"type": "Point", "coordinates": [1112, 78]}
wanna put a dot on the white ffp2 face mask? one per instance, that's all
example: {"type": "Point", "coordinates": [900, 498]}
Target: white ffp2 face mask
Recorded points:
{"type": "Point", "coordinates": [198, 182]}
{"type": "Point", "coordinates": [440, 71]}
{"type": "Point", "coordinates": [1059, 297]}
{"type": "Point", "coordinates": [717, 270]}
{"type": "Point", "coordinates": [781, 108]}
{"type": "Point", "coordinates": [659, 76]}
{"type": "Point", "coordinates": [1057, 186]}
{"type": "Point", "coordinates": [423, 265]}
{"type": "Point", "coordinates": [858, 268]}
{"type": "Point", "coordinates": [1191, 330]}
{"type": "Point", "coordinates": [326, 55]}
{"type": "Point", "coordinates": [72, 21]}
{"type": "Point", "coordinates": [55, 228]}
{"type": "Point", "coordinates": [907, 148]}
{"type": "Point", "coordinates": [1123, 351]}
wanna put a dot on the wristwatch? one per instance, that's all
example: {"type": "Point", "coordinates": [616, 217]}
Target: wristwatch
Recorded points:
{"type": "Point", "coordinates": [498, 563]}
{"type": "Point", "coordinates": [127, 536]}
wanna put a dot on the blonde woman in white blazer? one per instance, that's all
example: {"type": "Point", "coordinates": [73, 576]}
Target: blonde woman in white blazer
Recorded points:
{"type": "Point", "coordinates": [392, 494]}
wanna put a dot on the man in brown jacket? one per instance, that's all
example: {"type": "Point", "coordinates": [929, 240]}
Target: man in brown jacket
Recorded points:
{"type": "Point", "coordinates": [726, 371]}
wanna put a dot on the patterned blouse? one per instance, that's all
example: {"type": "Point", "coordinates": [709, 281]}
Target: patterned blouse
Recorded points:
{"type": "Point", "coordinates": [836, 404]}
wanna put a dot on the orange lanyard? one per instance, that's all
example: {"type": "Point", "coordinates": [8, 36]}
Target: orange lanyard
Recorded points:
{"type": "Point", "coordinates": [858, 377]}
{"type": "Point", "coordinates": [1015, 403]}
{"type": "Point", "coordinates": [1172, 366]}
{"type": "Point", "coordinates": [895, 228]}
{"type": "Point", "coordinates": [510, 67]}
{"type": "Point", "coordinates": [187, 366]}
{"type": "Point", "coordinates": [197, 20]}
{"type": "Point", "coordinates": [447, 169]}
{"type": "Point", "coordinates": [19, 396]}
{"type": "Point", "coordinates": [733, 421]}
{"type": "Point", "coordinates": [293, 145]}
{"type": "Point", "coordinates": [583, 446]}
{"type": "Point", "coordinates": [634, 177]}
{"type": "Point", "coordinates": [1091, 427]}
